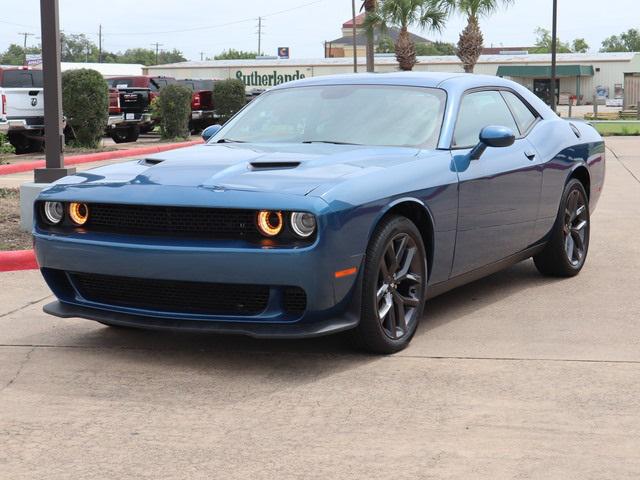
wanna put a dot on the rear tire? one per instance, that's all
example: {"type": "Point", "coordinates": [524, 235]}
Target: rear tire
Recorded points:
{"type": "Point", "coordinates": [565, 253]}
{"type": "Point", "coordinates": [23, 144]}
{"type": "Point", "coordinates": [125, 135]}
{"type": "Point", "coordinates": [393, 293]}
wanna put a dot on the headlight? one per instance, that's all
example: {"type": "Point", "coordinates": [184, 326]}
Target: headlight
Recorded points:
{"type": "Point", "coordinates": [303, 224]}
{"type": "Point", "coordinates": [79, 213]}
{"type": "Point", "coordinates": [54, 212]}
{"type": "Point", "coordinates": [269, 223]}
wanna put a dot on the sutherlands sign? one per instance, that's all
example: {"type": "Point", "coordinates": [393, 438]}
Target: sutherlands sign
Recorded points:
{"type": "Point", "coordinates": [257, 79]}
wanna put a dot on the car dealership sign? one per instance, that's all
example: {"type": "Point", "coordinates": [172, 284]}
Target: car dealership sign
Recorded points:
{"type": "Point", "coordinates": [258, 79]}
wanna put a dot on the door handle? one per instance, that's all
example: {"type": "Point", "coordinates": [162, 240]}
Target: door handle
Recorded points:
{"type": "Point", "coordinates": [530, 154]}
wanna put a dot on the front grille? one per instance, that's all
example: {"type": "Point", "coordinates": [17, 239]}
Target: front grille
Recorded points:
{"type": "Point", "coordinates": [295, 300]}
{"type": "Point", "coordinates": [172, 296]}
{"type": "Point", "coordinates": [211, 223]}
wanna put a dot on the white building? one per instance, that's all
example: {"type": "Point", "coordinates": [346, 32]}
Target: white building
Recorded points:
{"type": "Point", "coordinates": [579, 74]}
{"type": "Point", "coordinates": [106, 69]}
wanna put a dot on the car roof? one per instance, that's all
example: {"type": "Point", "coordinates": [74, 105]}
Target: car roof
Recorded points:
{"type": "Point", "coordinates": [421, 79]}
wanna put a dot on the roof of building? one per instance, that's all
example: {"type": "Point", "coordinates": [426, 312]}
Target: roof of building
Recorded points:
{"type": "Point", "coordinates": [451, 59]}
{"type": "Point", "coordinates": [359, 21]}
{"type": "Point", "coordinates": [361, 39]}
{"type": "Point", "coordinates": [503, 50]}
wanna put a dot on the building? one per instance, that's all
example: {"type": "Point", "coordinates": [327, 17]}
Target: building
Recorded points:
{"type": "Point", "coordinates": [106, 69]}
{"type": "Point", "coordinates": [579, 74]}
{"type": "Point", "coordinates": [343, 46]}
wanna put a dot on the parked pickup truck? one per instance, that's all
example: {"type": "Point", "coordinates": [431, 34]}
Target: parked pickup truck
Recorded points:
{"type": "Point", "coordinates": [153, 84]}
{"type": "Point", "coordinates": [22, 114]}
{"type": "Point", "coordinates": [128, 113]}
{"type": "Point", "coordinates": [202, 108]}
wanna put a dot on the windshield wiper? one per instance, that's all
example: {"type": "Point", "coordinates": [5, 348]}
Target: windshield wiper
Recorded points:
{"type": "Point", "coordinates": [230, 140]}
{"type": "Point", "coordinates": [330, 141]}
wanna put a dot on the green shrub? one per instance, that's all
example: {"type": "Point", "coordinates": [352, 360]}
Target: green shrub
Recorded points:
{"type": "Point", "coordinates": [5, 146]}
{"type": "Point", "coordinates": [228, 97]}
{"type": "Point", "coordinates": [174, 109]}
{"type": "Point", "coordinates": [85, 101]}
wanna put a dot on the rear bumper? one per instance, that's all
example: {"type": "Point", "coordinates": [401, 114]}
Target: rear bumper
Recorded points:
{"type": "Point", "coordinates": [124, 120]}
{"type": "Point", "coordinates": [202, 114]}
{"type": "Point", "coordinates": [22, 124]}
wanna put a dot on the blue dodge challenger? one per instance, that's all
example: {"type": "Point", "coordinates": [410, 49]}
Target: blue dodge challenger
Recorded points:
{"type": "Point", "coordinates": [327, 204]}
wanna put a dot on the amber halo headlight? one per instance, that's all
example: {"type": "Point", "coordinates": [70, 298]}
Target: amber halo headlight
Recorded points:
{"type": "Point", "coordinates": [269, 222]}
{"type": "Point", "coordinates": [303, 224]}
{"type": "Point", "coordinates": [53, 212]}
{"type": "Point", "coordinates": [79, 213]}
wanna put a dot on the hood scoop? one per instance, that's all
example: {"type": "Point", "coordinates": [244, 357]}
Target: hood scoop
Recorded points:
{"type": "Point", "coordinates": [273, 165]}
{"type": "Point", "coordinates": [149, 162]}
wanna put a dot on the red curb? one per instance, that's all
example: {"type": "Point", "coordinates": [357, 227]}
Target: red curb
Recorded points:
{"type": "Point", "coordinates": [96, 157]}
{"type": "Point", "coordinates": [18, 260]}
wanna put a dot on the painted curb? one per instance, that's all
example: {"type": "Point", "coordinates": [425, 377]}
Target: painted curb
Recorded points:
{"type": "Point", "coordinates": [18, 260]}
{"type": "Point", "coordinates": [96, 157]}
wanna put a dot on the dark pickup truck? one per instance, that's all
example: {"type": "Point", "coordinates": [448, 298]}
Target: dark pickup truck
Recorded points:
{"type": "Point", "coordinates": [202, 108]}
{"type": "Point", "coordinates": [128, 113]}
{"type": "Point", "coordinates": [153, 84]}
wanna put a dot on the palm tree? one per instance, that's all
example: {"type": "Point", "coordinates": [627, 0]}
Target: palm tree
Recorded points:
{"type": "Point", "coordinates": [370, 7]}
{"type": "Point", "coordinates": [471, 41]}
{"type": "Point", "coordinates": [427, 14]}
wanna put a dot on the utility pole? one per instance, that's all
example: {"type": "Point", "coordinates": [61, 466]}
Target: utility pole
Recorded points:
{"type": "Point", "coordinates": [100, 43]}
{"type": "Point", "coordinates": [554, 48]}
{"type": "Point", "coordinates": [355, 42]}
{"type": "Point", "coordinates": [201, 56]}
{"type": "Point", "coordinates": [157, 45]}
{"type": "Point", "coordinates": [25, 34]}
{"type": "Point", "coordinates": [259, 36]}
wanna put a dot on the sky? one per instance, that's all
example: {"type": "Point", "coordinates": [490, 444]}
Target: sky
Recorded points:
{"type": "Point", "coordinates": [302, 25]}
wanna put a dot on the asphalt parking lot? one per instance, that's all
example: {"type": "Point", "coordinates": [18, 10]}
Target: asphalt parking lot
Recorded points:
{"type": "Point", "coordinates": [513, 376]}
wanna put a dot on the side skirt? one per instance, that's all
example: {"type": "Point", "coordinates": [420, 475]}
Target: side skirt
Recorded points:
{"type": "Point", "coordinates": [478, 273]}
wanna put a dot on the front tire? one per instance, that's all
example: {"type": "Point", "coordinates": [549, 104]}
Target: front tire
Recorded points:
{"type": "Point", "coordinates": [393, 293]}
{"type": "Point", "coordinates": [565, 253]}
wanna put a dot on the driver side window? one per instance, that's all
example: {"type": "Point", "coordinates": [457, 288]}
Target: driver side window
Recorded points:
{"type": "Point", "coordinates": [479, 110]}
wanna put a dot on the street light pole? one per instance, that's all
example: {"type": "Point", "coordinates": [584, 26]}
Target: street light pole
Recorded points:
{"type": "Point", "coordinates": [554, 49]}
{"type": "Point", "coordinates": [355, 42]}
{"type": "Point", "coordinates": [53, 132]}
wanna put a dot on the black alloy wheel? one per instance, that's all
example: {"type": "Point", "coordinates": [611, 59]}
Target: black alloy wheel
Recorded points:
{"type": "Point", "coordinates": [566, 251]}
{"type": "Point", "coordinates": [393, 287]}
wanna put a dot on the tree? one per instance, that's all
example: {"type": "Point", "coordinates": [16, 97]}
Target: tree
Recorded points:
{"type": "Point", "coordinates": [579, 45]}
{"type": "Point", "coordinates": [628, 41]}
{"type": "Point", "coordinates": [427, 14]}
{"type": "Point", "coordinates": [385, 44]}
{"type": "Point", "coordinates": [471, 41]}
{"type": "Point", "coordinates": [85, 100]}
{"type": "Point", "coordinates": [435, 48]}
{"type": "Point", "coordinates": [543, 42]}
{"type": "Point", "coordinates": [14, 55]}
{"type": "Point", "coordinates": [77, 48]}
{"type": "Point", "coordinates": [147, 56]}
{"type": "Point", "coordinates": [369, 7]}
{"type": "Point", "coordinates": [233, 54]}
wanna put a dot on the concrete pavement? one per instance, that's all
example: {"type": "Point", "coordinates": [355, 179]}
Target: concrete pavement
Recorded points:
{"type": "Point", "coordinates": [513, 376]}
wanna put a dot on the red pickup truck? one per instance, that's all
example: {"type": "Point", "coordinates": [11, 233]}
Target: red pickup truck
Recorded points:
{"type": "Point", "coordinates": [202, 108]}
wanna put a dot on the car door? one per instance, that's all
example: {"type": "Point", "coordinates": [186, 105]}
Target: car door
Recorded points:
{"type": "Point", "coordinates": [499, 193]}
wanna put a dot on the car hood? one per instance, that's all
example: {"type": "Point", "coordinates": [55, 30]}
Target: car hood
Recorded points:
{"type": "Point", "coordinates": [295, 169]}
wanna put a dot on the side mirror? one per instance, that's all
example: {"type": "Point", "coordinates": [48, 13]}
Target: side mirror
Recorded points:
{"type": "Point", "coordinates": [210, 131]}
{"type": "Point", "coordinates": [493, 136]}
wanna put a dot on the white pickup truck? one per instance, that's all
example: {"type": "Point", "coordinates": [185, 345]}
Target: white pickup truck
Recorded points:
{"type": "Point", "coordinates": [22, 114]}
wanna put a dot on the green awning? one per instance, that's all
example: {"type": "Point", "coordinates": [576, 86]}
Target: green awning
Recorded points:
{"type": "Point", "coordinates": [544, 71]}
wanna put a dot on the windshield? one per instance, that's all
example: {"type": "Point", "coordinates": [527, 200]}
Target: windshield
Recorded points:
{"type": "Point", "coordinates": [350, 114]}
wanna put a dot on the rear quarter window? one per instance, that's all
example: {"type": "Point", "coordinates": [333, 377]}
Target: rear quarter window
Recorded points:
{"type": "Point", "coordinates": [525, 118]}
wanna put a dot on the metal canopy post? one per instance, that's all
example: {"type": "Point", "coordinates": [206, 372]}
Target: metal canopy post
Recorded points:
{"type": "Point", "coordinates": [53, 133]}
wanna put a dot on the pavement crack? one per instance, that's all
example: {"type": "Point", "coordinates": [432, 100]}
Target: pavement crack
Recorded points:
{"type": "Point", "coordinates": [615, 155]}
{"type": "Point", "coordinates": [24, 362]}
{"type": "Point", "coordinates": [33, 302]}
